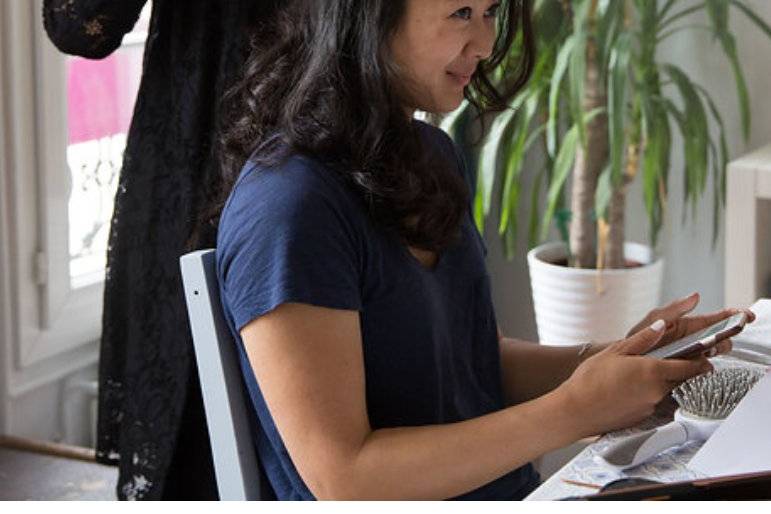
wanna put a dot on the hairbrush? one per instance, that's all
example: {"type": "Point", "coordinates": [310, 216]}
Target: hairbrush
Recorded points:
{"type": "Point", "coordinates": [705, 401]}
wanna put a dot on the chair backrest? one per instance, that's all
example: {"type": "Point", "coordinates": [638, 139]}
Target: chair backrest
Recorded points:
{"type": "Point", "coordinates": [225, 402]}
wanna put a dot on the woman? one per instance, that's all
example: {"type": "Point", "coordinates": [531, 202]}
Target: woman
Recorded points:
{"type": "Point", "coordinates": [354, 280]}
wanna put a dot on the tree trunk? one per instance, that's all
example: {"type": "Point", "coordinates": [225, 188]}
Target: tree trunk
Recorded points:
{"type": "Point", "coordinates": [614, 257]}
{"type": "Point", "coordinates": [587, 168]}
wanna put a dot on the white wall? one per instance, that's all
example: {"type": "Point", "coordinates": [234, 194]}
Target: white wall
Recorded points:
{"type": "Point", "coordinates": [62, 410]}
{"type": "Point", "coordinates": [690, 263]}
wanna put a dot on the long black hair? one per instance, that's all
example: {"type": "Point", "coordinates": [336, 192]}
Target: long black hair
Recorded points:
{"type": "Point", "coordinates": [320, 81]}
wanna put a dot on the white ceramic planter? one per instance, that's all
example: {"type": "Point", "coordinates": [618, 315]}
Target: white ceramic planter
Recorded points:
{"type": "Point", "coordinates": [573, 305]}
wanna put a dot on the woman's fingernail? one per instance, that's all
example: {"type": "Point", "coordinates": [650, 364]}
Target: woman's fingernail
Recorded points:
{"type": "Point", "coordinates": [658, 325]}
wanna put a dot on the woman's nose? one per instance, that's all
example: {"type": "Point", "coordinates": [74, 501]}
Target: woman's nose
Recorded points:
{"type": "Point", "coordinates": [482, 39]}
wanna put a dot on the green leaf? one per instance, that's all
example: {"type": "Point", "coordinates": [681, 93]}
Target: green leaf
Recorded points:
{"type": "Point", "coordinates": [479, 213]}
{"type": "Point", "coordinates": [757, 20]}
{"type": "Point", "coordinates": [561, 171]}
{"type": "Point", "coordinates": [490, 153]}
{"type": "Point", "coordinates": [548, 21]}
{"type": "Point", "coordinates": [680, 119]}
{"type": "Point", "coordinates": [723, 161]}
{"type": "Point", "coordinates": [610, 15]}
{"type": "Point", "coordinates": [650, 158]}
{"type": "Point", "coordinates": [655, 162]}
{"type": "Point", "coordinates": [646, 41]}
{"type": "Point", "coordinates": [535, 197]}
{"type": "Point", "coordinates": [577, 66]}
{"type": "Point", "coordinates": [562, 165]}
{"type": "Point", "coordinates": [617, 89]}
{"type": "Point", "coordinates": [665, 9]}
{"type": "Point", "coordinates": [719, 165]}
{"type": "Point", "coordinates": [718, 13]}
{"type": "Point", "coordinates": [685, 12]}
{"type": "Point", "coordinates": [695, 133]}
{"type": "Point", "coordinates": [562, 220]}
{"type": "Point", "coordinates": [514, 159]}
{"type": "Point", "coordinates": [741, 85]}
{"type": "Point", "coordinates": [716, 203]}
{"type": "Point", "coordinates": [648, 17]}
{"type": "Point", "coordinates": [554, 89]}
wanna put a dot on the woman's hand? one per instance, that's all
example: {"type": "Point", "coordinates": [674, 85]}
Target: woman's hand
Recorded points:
{"type": "Point", "coordinates": [679, 325]}
{"type": "Point", "coordinates": [618, 387]}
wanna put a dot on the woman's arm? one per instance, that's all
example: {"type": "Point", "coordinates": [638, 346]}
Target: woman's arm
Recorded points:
{"type": "Point", "coordinates": [309, 364]}
{"type": "Point", "coordinates": [529, 370]}
{"type": "Point", "coordinates": [89, 28]}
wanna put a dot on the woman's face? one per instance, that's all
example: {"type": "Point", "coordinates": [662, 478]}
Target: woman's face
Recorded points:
{"type": "Point", "coordinates": [438, 46]}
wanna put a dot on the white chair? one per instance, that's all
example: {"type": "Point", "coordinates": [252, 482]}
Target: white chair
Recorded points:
{"type": "Point", "coordinates": [236, 464]}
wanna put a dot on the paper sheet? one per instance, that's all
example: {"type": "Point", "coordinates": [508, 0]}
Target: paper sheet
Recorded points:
{"type": "Point", "coordinates": [742, 444]}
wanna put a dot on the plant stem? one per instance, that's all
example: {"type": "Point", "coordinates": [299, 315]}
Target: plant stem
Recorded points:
{"type": "Point", "coordinates": [617, 209]}
{"type": "Point", "coordinates": [615, 242]}
{"type": "Point", "coordinates": [588, 166]}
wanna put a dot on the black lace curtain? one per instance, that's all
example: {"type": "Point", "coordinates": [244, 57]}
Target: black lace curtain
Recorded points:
{"type": "Point", "coordinates": [151, 421]}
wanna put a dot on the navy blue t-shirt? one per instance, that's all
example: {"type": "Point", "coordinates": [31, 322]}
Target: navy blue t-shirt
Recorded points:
{"type": "Point", "coordinates": [296, 233]}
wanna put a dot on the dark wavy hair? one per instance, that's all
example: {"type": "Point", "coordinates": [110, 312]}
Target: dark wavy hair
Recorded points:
{"type": "Point", "coordinates": [320, 81]}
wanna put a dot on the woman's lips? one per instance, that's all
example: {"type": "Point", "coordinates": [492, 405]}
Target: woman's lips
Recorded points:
{"type": "Point", "coordinates": [460, 79]}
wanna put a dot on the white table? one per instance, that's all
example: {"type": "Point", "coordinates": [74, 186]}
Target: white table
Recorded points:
{"type": "Point", "coordinates": [669, 466]}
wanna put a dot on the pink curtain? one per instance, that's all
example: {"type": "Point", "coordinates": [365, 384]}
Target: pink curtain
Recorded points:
{"type": "Point", "coordinates": [101, 94]}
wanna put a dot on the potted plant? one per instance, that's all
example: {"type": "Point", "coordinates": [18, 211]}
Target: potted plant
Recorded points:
{"type": "Point", "coordinates": [601, 103]}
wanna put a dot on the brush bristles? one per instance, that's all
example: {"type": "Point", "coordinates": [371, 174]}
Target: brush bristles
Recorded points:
{"type": "Point", "coordinates": [715, 394]}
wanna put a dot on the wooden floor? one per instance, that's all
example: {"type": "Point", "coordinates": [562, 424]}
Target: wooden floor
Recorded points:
{"type": "Point", "coordinates": [26, 475]}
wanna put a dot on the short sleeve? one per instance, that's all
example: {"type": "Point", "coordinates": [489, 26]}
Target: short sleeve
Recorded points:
{"type": "Point", "coordinates": [287, 234]}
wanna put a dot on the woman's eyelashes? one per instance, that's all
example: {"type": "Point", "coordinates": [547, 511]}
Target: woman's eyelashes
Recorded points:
{"type": "Point", "coordinates": [492, 12]}
{"type": "Point", "coordinates": [465, 13]}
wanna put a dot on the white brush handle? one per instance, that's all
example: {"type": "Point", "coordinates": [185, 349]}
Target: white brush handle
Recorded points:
{"type": "Point", "coordinates": [638, 448]}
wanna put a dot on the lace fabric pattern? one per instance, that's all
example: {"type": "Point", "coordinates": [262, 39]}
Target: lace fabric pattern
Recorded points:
{"type": "Point", "coordinates": [151, 423]}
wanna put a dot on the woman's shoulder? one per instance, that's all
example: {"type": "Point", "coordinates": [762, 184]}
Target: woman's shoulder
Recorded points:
{"type": "Point", "coordinates": [287, 196]}
{"type": "Point", "coordinates": [294, 173]}
{"type": "Point", "coordinates": [295, 181]}
{"type": "Point", "coordinates": [287, 234]}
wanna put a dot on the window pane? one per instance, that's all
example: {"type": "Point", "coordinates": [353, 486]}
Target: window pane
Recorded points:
{"type": "Point", "coordinates": [100, 102]}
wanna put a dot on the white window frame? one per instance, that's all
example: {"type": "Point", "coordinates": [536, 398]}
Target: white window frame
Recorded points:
{"type": "Point", "coordinates": [53, 329]}
{"type": "Point", "coordinates": [5, 287]}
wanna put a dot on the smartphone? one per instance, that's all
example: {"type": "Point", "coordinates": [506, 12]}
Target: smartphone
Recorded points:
{"type": "Point", "coordinates": [703, 340]}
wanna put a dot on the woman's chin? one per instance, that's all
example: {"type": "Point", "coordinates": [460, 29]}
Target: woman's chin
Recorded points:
{"type": "Point", "coordinates": [450, 104]}
{"type": "Point", "coordinates": [443, 104]}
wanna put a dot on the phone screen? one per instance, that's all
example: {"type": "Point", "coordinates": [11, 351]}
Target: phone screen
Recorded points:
{"type": "Point", "coordinates": [702, 338]}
